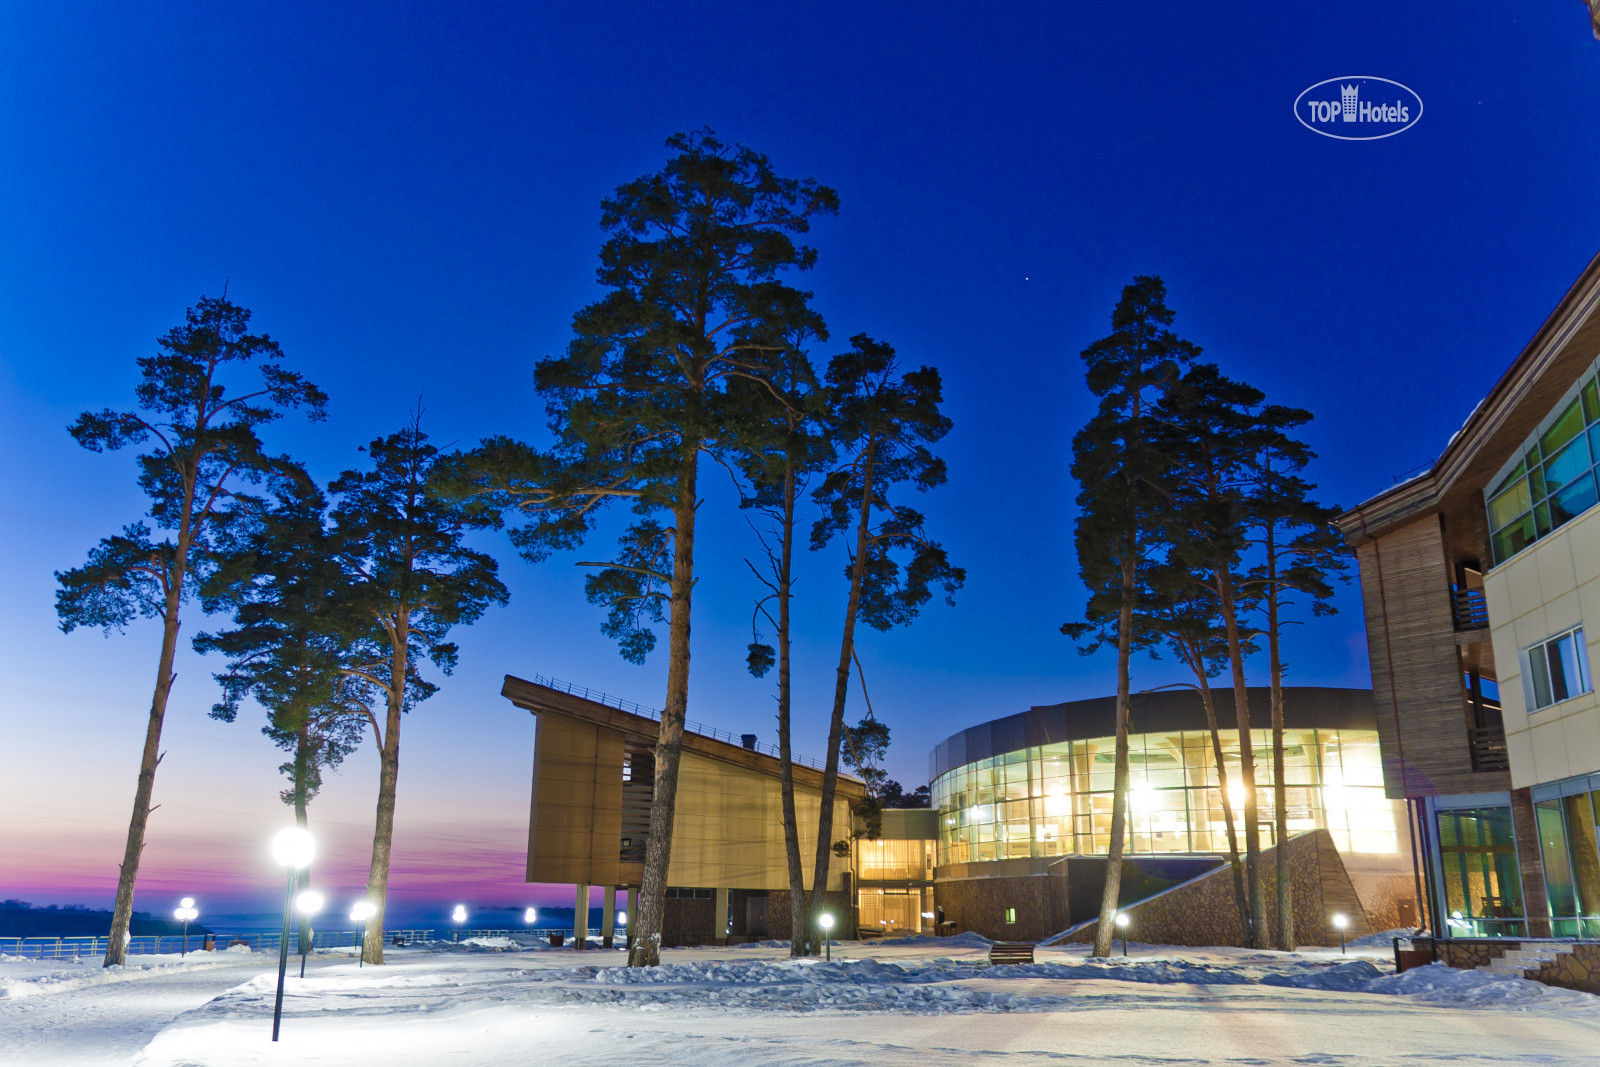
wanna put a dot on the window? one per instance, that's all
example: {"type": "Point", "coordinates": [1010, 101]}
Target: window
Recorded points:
{"type": "Point", "coordinates": [1553, 480]}
{"type": "Point", "coordinates": [679, 893]}
{"type": "Point", "coordinates": [1557, 670]}
{"type": "Point", "coordinates": [1011, 915]}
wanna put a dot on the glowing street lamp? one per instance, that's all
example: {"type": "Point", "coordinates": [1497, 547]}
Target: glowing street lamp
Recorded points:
{"type": "Point", "coordinates": [292, 849]}
{"type": "Point", "coordinates": [825, 921]}
{"type": "Point", "coordinates": [360, 912]}
{"type": "Point", "coordinates": [1122, 928]}
{"type": "Point", "coordinates": [530, 916]}
{"type": "Point", "coordinates": [1341, 922]}
{"type": "Point", "coordinates": [308, 904]}
{"type": "Point", "coordinates": [460, 916]}
{"type": "Point", "coordinates": [186, 914]}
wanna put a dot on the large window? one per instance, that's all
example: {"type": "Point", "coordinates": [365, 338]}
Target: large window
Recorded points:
{"type": "Point", "coordinates": [1554, 480]}
{"type": "Point", "coordinates": [1557, 670]}
{"type": "Point", "coordinates": [1567, 844]}
{"type": "Point", "coordinates": [1482, 883]}
{"type": "Point", "coordinates": [1055, 800]}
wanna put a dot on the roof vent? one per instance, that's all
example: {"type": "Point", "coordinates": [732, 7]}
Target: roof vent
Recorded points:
{"type": "Point", "coordinates": [748, 740]}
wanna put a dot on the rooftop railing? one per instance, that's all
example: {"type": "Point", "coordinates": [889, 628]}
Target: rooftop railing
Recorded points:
{"type": "Point", "coordinates": [585, 693]}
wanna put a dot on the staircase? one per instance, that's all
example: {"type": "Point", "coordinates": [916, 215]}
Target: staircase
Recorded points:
{"type": "Point", "coordinates": [1521, 960]}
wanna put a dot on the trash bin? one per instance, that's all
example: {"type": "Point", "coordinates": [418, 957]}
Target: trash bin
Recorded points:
{"type": "Point", "coordinates": [555, 940]}
{"type": "Point", "coordinates": [211, 943]}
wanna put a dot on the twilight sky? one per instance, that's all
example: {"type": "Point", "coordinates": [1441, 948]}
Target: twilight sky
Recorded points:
{"type": "Point", "coordinates": [408, 201]}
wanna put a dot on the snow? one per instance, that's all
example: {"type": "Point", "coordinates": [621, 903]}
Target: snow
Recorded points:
{"type": "Point", "coordinates": [911, 1000]}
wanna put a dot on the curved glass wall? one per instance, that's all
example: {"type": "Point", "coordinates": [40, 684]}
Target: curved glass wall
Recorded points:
{"type": "Point", "coordinates": [1055, 800]}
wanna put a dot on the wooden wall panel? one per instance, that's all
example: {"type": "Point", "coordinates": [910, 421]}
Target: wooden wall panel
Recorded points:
{"type": "Point", "coordinates": [1416, 672]}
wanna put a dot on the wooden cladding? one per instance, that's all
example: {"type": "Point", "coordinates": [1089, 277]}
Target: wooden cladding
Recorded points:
{"type": "Point", "coordinates": [1416, 665]}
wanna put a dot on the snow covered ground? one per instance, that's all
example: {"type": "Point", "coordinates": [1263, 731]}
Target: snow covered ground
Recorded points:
{"type": "Point", "coordinates": [914, 1001]}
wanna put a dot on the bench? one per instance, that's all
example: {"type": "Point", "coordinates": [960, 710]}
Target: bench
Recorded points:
{"type": "Point", "coordinates": [1011, 952]}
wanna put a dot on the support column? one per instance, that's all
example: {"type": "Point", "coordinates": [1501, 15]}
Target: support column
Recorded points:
{"type": "Point", "coordinates": [719, 923]}
{"type": "Point", "coordinates": [608, 915]}
{"type": "Point", "coordinates": [633, 912]}
{"type": "Point", "coordinates": [580, 917]}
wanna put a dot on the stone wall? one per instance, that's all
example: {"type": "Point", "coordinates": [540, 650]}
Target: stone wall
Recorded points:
{"type": "Point", "coordinates": [979, 904]}
{"type": "Point", "coordinates": [688, 922]}
{"type": "Point", "coordinates": [1578, 969]}
{"type": "Point", "coordinates": [780, 919]}
{"type": "Point", "coordinates": [1390, 900]}
{"type": "Point", "coordinates": [1203, 912]}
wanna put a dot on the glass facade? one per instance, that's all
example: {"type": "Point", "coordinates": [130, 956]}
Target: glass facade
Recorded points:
{"type": "Point", "coordinates": [894, 861]}
{"type": "Point", "coordinates": [1482, 882]}
{"type": "Point", "coordinates": [1571, 863]}
{"type": "Point", "coordinates": [1055, 800]}
{"type": "Point", "coordinates": [1555, 479]}
{"type": "Point", "coordinates": [896, 911]}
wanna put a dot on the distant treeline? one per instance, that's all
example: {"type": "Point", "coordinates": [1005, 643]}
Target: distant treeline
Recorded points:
{"type": "Point", "coordinates": [18, 918]}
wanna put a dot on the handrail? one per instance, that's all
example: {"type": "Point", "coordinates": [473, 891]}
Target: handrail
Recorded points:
{"type": "Point", "coordinates": [585, 693]}
{"type": "Point", "coordinates": [1469, 609]}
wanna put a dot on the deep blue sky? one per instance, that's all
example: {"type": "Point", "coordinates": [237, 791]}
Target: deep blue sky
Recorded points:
{"type": "Point", "coordinates": [408, 200]}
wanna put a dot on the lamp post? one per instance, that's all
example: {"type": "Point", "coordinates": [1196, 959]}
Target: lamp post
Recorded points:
{"type": "Point", "coordinates": [1122, 928]}
{"type": "Point", "coordinates": [825, 921]}
{"type": "Point", "coordinates": [292, 850]}
{"type": "Point", "coordinates": [1341, 922]}
{"type": "Point", "coordinates": [460, 916]}
{"type": "Point", "coordinates": [185, 914]}
{"type": "Point", "coordinates": [308, 904]}
{"type": "Point", "coordinates": [359, 914]}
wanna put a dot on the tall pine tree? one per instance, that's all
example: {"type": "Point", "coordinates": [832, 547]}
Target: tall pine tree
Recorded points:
{"type": "Point", "coordinates": [201, 400]}
{"type": "Point", "coordinates": [691, 265]}
{"type": "Point", "coordinates": [1119, 470]}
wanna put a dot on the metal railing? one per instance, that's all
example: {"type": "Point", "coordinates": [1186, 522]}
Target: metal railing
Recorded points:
{"type": "Point", "coordinates": [1469, 609]}
{"type": "Point", "coordinates": [1488, 745]}
{"type": "Point", "coordinates": [85, 947]}
{"type": "Point", "coordinates": [629, 706]}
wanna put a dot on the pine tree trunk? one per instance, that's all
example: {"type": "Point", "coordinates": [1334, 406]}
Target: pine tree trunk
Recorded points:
{"type": "Point", "coordinates": [841, 684]}
{"type": "Point", "coordinates": [388, 775]}
{"type": "Point", "coordinates": [1240, 898]}
{"type": "Point", "coordinates": [798, 924]}
{"type": "Point", "coordinates": [1280, 789]}
{"type": "Point", "coordinates": [122, 915]}
{"type": "Point", "coordinates": [669, 741]}
{"type": "Point", "coordinates": [301, 758]}
{"type": "Point", "coordinates": [1111, 895]}
{"type": "Point", "coordinates": [1247, 761]}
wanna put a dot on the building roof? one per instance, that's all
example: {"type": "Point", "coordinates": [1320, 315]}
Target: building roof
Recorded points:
{"type": "Point", "coordinates": [1548, 365]}
{"type": "Point", "coordinates": [632, 720]}
{"type": "Point", "coordinates": [1304, 707]}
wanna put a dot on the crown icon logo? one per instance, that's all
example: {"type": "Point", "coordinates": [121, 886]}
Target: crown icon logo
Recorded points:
{"type": "Point", "coordinates": [1347, 97]}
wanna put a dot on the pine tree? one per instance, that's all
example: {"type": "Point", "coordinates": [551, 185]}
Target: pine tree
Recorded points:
{"type": "Point", "coordinates": [203, 447]}
{"type": "Point", "coordinates": [691, 265]}
{"type": "Point", "coordinates": [1119, 472]}
{"type": "Point", "coordinates": [1207, 421]}
{"type": "Point", "coordinates": [882, 424]}
{"type": "Point", "coordinates": [287, 646]}
{"type": "Point", "coordinates": [411, 580]}
{"type": "Point", "coordinates": [1299, 552]}
{"type": "Point", "coordinates": [775, 469]}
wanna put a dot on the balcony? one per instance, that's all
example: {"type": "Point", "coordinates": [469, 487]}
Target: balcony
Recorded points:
{"type": "Point", "coordinates": [1488, 745]}
{"type": "Point", "coordinates": [1469, 609]}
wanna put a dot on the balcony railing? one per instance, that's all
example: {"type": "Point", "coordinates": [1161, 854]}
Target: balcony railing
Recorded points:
{"type": "Point", "coordinates": [1488, 745]}
{"type": "Point", "coordinates": [1470, 610]}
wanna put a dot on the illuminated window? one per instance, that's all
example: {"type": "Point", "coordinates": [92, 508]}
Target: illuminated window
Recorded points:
{"type": "Point", "coordinates": [1011, 915]}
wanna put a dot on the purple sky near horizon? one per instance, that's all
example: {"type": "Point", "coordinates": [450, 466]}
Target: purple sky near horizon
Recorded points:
{"type": "Point", "coordinates": [408, 200]}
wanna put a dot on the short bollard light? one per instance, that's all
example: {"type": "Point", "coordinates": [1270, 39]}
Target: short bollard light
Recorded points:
{"type": "Point", "coordinates": [1341, 922]}
{"type": "Point", "coordinates": [359, 914]}
{"type": "Point", "coordinates": [292, 849]}
{"type": "Point", "coordinates": [1122, 928]}
{"type": "Point", "coordinates": [825, 921]}
{"type": "Point", "coordinates": [308, 904]}
{"type": "Point", "coordinates": [460, 916]}
{"type": "Point", "coordinates": [185, 914]}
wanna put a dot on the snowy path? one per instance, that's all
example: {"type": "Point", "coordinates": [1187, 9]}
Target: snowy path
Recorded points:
{"type": "Point", "coordinates": [57, 1013]}
{"type": "Point", "coordinates": [887, 1004]}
